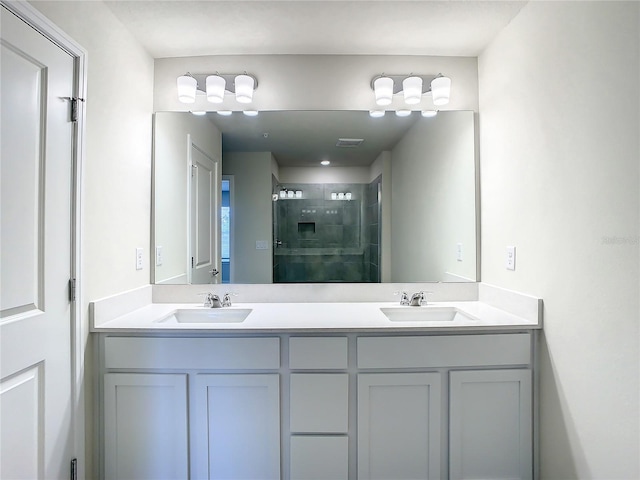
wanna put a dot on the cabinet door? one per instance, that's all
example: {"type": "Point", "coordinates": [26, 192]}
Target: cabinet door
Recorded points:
{"type": "Point", "coordinates": [236, 427]}
{"type": "Point", "coordinates": [490, 424]}
{"type": "Point", "coordinates": [145, 422]}
{"type": "Point", "coordinates": [399, 426]}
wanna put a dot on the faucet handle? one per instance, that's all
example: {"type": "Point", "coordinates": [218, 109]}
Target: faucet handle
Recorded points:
{"type": "Point", "coordinates": [226, 298]}
{"type": "Point", "coordinates": [404, 298]}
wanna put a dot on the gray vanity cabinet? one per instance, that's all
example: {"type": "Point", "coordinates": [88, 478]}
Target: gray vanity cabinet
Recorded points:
{"type": "Point", "coordinates": [490, 426]}
{"type": "Point", "coordinates": [237, 432]}
{"type": "Point", "coordinates": [474, 390]}
{"type": "Point", "coordinates": [145, 426]}
{"type": "Point", "coordinates": [356, 406]}
{"type": "Point", "coordinates": [399, 426]}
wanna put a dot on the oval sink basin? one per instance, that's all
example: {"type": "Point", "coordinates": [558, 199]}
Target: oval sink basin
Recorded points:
{"type": "Point", "coordinates": [424, 314]}
{"type": "Point", "coordinates": [211, 315]}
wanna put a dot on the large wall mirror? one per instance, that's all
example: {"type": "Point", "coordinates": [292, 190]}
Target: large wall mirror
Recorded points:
{"type": "Point", "coordinates": [245, 199]}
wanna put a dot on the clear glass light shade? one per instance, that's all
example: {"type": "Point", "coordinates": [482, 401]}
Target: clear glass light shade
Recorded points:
{"type": "Point", "coordinates": [440, 90]}
{"type": "Point", "coordinates": [187, 86]}
{"type": "Point", "coordinates": [412, 89]}
{"type": "Point", "coordinates": [376, 113]}
{"type": "Point", "coordinates": [244, 88]}
{"type": "Point", "coordinates": [383, 88]}
{"type": "Point", "coordinates": [215, 88]}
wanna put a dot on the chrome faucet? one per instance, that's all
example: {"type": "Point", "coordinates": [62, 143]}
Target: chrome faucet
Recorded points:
{"type": "Point", "coordinates": [417, 299]}
{"type": "Point", "coordinates": [212, 301]}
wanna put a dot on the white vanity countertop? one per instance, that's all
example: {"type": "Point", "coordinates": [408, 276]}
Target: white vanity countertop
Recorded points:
{"type": "Point", "coordinates": [317, 317]}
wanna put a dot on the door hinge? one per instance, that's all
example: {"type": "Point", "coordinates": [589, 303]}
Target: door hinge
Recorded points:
{"type": "Point", "coordinates": [74, 107]}
{"type": "Point", "coordinates": [72, 289]}
{"type": "Point", "coordinates": [74, 469]}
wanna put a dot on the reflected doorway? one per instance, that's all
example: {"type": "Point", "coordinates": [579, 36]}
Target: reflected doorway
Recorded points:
{"type": "Point", "coordinates": [226, 226]}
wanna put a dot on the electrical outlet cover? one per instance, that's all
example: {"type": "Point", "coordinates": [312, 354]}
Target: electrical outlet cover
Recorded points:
{"type": "Point", "coordinates": [511, 258]}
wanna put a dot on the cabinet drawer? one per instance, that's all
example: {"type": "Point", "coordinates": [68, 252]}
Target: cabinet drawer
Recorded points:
{"type": "Point", "coordinates": [319, 403]}
{"type": "Point", "coordinates": [318, 353]}
{"type": "Point", "coordinates": [192, 353]}
{"type": "Point", "coordinates": [444, 351]}
{"type": "Point", "coordinates": [319, 458]}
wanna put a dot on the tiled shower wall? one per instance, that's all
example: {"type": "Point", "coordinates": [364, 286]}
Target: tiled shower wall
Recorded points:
{"type": "Point", "coordinates": [321, 239]}
{"type": "Point", "coordinates": [372, 230]}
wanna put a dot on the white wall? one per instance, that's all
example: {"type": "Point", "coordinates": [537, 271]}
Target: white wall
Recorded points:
{"type": "Point", "coordinates": [315, 82]}
{"type": "Point", "coordinates": [559, 129]}
{"type": "Point", "coordinates": [117, 164]}
{"type": "Point", "coordinates": [433, 199]}
{"type": "Point", "coordinates": [251, 216]}
{"type": "Point", "coordinates": [171, 175]}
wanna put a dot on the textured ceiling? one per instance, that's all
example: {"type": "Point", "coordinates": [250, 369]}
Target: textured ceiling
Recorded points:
{"type": "Point", "coordinates": [188, 28]}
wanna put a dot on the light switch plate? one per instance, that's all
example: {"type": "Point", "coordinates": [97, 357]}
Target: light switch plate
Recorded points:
{"type": "Point", "coordinates": [511, 258]}
{"type": "Point", "coordinates": [139, 258]}
{"type": "Point", "coordinates": [459, 252]}
{"type": "Point", "coordinates": [262, 245]}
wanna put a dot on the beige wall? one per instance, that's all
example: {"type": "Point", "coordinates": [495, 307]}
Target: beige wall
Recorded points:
{"type": "Point", "coordinates": [433, 200]}
{"type": "Point", "coordinates": [171, 176]}
{"type": "Point", "coordinates": [559, 129]}
{"type": "Point", "coordinates": [250, 216]}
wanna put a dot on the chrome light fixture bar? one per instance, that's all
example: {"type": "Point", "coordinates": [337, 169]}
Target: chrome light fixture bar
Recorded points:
{"type": "Point", "coordinates": [216, 85]}
{"type": "Point", "coordinates": [412, 86]}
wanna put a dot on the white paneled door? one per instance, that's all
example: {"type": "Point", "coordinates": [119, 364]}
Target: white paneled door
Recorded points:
{"type": "Point", "coordinates": [204, 217]}
{"type": "Point", "coordinates": [36, 246]}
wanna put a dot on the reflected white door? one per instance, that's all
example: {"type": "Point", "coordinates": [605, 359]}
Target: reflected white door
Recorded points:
{"type": "Point", "coordinates": [204, 217]}
{"type": "Point", "coordinates": [35, 216]}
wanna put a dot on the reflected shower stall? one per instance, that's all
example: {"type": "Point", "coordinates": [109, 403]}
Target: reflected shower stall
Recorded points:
{"type": "Point", "coordinates": [326, 232]}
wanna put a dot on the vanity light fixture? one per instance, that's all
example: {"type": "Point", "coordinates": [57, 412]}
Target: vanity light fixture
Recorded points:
{"type": "Point", "coordinates": [198, 113]}
{"type": "Point", "coordinates": [440, 90]}
{"type": "Point", "coordinates": [429, 113]}
{"type": "Point", "coordinates": [412, 90]}
{"type": "Point", "coordinates": [250, 113]}
{"type": "Point", "coordinates": [216, 85]}
{"type": "Point", "coordinates": [412, 86]}
{"type": "Point", "coordinates": [187, 86]}
{"type": "Point", "coordinates": [403, 112]}
{"type": "Point", "coordinates": [224, 113]}
{"type": "Point", "coordinates": [376, 113]}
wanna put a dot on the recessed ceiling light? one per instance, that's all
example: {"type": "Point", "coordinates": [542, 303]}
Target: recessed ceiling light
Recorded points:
{"type": "Point", "coordinates": [325, 162]}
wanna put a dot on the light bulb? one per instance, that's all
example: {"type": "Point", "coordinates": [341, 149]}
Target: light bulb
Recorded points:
{"type": "Point", "coordinates": [244, 88]}
{"type": "Point", "coordinates": [215, 88]}
{"type": "Point", "coordinates": [383, 88]}
{"type": "Point", "coordinates": [441, 89]}
{"type": "Point", "coordinates": [412, 89]}
{"type": "Point", "coordinates": [187, 86]}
